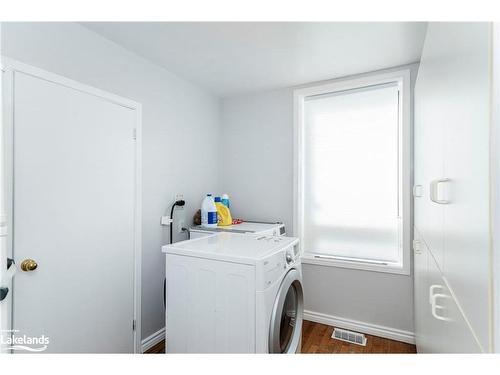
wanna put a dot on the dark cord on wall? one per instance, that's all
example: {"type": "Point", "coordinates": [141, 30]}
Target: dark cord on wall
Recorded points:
{"type": "Point", "coordinates": [179, 203]}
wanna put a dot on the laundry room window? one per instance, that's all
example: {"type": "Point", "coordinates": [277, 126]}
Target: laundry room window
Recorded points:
{"type": "Point", "coordinates": [353, 173]}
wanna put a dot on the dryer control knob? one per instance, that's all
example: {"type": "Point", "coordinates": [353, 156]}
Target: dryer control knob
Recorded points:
{"type": "Point", "coordinates": [289, 258]}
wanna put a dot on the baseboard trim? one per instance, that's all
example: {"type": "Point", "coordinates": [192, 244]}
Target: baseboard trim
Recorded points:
{"type": "Point", "coordinates": [354, 325]}
{"type": "Point", "coordinates": [152, 340]}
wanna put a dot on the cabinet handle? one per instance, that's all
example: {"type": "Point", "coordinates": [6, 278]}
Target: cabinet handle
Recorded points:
{"type": "Point", "coordinates": [433, 191]}
{"type": "Point", "coordinates": [435, 307]}
{"type": "Point", "coordinates": [417, 191]}
{"type": "Point", "coordinates": [432, 296]}
{"type": "Point", "coordinates": [416, 247]}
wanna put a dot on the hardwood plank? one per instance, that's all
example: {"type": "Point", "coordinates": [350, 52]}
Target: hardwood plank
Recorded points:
{"type": "Point", "coordinates": [316, 338]}
{"type": "Point", "coordinates": [157, 349]}
{"type": "Point", "coordinates": [313, 349]}
{"type": "Point", "coordinates": [378, 344]}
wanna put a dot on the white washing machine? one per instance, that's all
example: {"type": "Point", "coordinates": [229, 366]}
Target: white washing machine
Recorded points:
{"type": "Point", "coordinates": [234, 293]}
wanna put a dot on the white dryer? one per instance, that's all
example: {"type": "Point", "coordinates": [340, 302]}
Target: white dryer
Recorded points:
{"type": "Point", "coordinates": [247, 227]}
{"type": "Point", "coordinates": [234, 293]}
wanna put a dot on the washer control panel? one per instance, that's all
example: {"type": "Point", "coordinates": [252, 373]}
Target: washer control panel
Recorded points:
{"type": "Point", "coordinates": [272, 268]}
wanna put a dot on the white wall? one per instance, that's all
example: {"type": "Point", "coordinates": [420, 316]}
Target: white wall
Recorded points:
{"type": "Point", "coordinates": [180, 128]}
{"type": "Point", "coordinates": [495, 146]}
{"type": "Point", "coordinates": [4, 324]}
{"type": "Point", "coordinates": [256, 169]}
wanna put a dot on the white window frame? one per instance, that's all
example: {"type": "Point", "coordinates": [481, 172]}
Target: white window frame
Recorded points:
{"type": "Point", "coordinates": [403, 78]}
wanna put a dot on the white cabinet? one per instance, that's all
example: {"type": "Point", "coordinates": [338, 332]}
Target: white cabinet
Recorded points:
{"type": "Point", "coordinates": [466, 164]}
{"type": "Point", "coordinates": [452, 189]}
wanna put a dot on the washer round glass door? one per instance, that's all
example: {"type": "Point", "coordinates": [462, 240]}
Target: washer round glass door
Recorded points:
{"type": "Point", "coordinates": [286, 319]}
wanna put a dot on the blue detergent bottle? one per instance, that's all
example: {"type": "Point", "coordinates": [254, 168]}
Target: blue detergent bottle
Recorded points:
{"type": "Point", "coordinates": [225, 200]}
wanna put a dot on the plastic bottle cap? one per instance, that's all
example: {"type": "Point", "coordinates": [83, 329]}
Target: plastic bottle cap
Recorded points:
{"type": "Point", "coordinates": [217, 199]}
{"type": "Point", "coordinates": [209, 195]}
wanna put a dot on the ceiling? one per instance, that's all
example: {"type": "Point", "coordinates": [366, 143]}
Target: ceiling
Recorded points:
{"type": "Point", "coordinates": [231, 58]}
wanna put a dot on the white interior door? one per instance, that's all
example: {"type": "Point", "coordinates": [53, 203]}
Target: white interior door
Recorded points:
{"type": "Point", "coordinates": [74, 184]}
{"type": "Point", "coordinates": [4, 282]}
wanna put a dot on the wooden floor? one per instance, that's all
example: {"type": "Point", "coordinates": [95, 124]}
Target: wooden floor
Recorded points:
{"type": "Point", "coordinates": [316, 338]}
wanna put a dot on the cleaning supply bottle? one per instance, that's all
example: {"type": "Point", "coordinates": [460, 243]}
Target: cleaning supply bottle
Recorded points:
{"type": "Point", "coordinates": [208, 212]}
{"type": "Point", "coordinates": [225, 200]}
{"type": "Point", "coordinates": [223, 213]}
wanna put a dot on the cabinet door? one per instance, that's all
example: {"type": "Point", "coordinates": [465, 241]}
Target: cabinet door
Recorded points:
{"type": "Point", "coordinates": [435, 328]}
{"type": "Point", "coordinates": [465, 101]}
{"type": "Point", "coordinates": [449, 331]}
{"type": "Point", "coordinates": [428, 154]}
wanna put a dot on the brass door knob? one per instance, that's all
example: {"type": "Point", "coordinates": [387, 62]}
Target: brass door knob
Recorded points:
{"type": "Point", "coordinates": [28, 265]}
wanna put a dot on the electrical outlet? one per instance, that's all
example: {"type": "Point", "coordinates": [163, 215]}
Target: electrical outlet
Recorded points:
{"type": "Point", "coordinates": [178, 197]}
{"type": "Point", "coordinates": [180, 224]}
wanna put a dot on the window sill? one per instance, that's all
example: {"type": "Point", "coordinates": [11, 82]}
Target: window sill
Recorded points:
{"type": "Point", "coordinates": [397, 269]}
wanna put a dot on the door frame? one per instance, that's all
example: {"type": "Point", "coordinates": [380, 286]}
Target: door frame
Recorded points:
{"type": "Point", "coordinates": [10, 67]}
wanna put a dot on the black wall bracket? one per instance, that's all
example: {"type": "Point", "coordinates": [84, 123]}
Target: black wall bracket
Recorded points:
{"type": "Point", "coordinates": [3, 293]}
